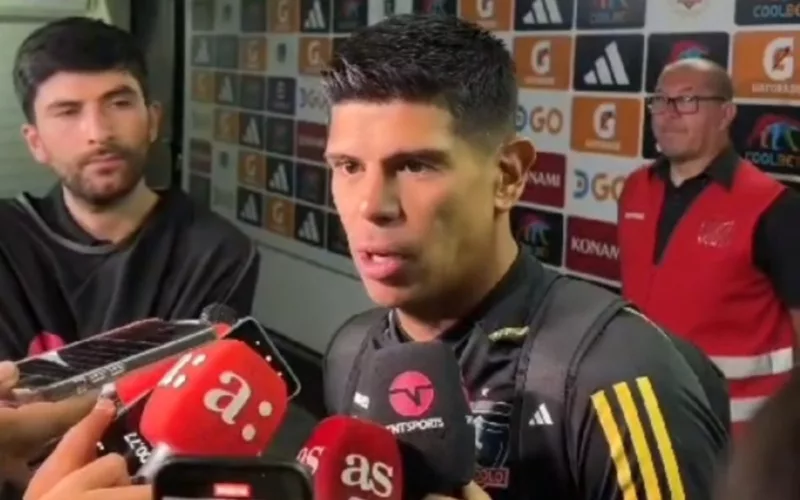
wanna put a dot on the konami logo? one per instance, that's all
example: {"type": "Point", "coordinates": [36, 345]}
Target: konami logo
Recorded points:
{"type": "Point", "coordinates": [545, 182]}
{"type": "Point", "coordinates": [592, 248]}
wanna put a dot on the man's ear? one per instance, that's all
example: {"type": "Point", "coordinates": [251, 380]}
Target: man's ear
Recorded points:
{"type": "Point", "coordinates": [729, 115]}
{"type": "Point", "coordinates": [156, 111]}
{"type": "Point", "coordinates": [34, 143]}
{"type": "Point", "coordinates": [516, 159]}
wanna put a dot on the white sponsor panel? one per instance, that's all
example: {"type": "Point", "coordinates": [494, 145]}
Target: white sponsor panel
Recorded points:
{"type": "Point", "coordinates": [594, 184]}
{"type": "Point", "coordinates": [312, 106]}
{"type": "Point", "coordinates": [546, 120]}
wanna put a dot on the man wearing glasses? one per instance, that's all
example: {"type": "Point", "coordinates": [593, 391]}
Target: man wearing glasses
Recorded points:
{"type": "Point", "coordinates": [710, 246]}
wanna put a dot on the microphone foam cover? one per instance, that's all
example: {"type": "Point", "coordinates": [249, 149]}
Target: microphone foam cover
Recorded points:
{"type": "Point", "coordinates": [219, 313]}
{"type": "Point", "coordinates": [416, 390]}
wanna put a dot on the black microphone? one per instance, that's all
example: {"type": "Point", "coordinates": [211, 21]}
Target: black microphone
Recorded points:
{"type": "Point", "coordinates": [416, 390]}
{"type": "Point", "coordinates": [219, 313]}
{"type": "Point", "coordinates": [123, 436]}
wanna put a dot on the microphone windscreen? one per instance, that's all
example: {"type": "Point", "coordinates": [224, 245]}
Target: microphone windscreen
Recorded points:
{"type": "Point", "coordinates": [220, 399]}
{"type": "Point", "coordinates": [219, 313]}
{"type": "Point", "coordinates": [351, 458]}
{"type": "Point", "coordinates": [416, 390]}
{"type": "Point", "coordinates": [122, 436]}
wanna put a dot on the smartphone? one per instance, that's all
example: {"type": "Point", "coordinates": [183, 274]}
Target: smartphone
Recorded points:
{"type": "Point", "coordinates": [203, 478]}
{"type": "Point", "coordinates": [91, 363]}
{"type": "Point", "coordinates": [252, 333]}
{"type": "Point", "coordinates": [88, 364]}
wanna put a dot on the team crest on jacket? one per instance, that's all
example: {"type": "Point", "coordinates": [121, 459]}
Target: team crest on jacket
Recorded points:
{"type": "Point", "coordinates": [492, 421]}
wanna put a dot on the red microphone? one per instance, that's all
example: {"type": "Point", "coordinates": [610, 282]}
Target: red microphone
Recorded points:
{"type": "Point", "coordinates": [351, 458]}
{"type": "Point", "coordinates": [221, 399]}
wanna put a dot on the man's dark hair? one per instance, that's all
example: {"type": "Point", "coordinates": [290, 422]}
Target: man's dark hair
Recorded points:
{"type": "Point", "coordinates": [436, 59]}
{"type": "Point", "coordinates": [74, 44]}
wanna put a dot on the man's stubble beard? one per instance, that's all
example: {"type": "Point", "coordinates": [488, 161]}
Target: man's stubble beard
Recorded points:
{"type": "Point", "coordinates": [132, 175]}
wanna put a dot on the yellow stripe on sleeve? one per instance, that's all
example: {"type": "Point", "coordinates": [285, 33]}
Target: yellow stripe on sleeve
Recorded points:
{"type": "Point", "coordinates": [615, 444]}
{"type": "Point", "coordinates": [663, 440]}
{"type": "Point", "coordinates": [640, 446]}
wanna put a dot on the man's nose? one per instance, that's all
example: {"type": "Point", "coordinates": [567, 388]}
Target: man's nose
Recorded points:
{"type": "Point", "coordinates": [96, 126]}
{"type": "Point", "coordinates": [379, 201]}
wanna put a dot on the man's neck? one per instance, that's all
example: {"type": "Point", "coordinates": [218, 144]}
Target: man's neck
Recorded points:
{"type": "Point", "coordinates": [115, 223]}
{"type": "Point", "coordinates": [424, 327]}
{"type": "Point", "coordinates": [681, 170]}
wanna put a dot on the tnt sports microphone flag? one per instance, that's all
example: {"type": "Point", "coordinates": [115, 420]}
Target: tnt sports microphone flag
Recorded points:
{"type": "Point", "coordinates": [416, 391]}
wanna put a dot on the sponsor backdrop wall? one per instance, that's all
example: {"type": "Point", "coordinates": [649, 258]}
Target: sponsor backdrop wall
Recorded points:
{"type": "Point", "coordinates": [255, 122]}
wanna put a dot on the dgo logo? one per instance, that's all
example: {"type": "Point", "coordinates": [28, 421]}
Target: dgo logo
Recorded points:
{"type": "Point", "coordinates": [411, 394]}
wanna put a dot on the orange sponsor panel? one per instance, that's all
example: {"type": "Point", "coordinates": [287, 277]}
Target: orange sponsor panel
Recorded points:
{"type": "Point", "coordinates": [253, 54]}
{"type": "Point", "coordinates": [202, 86]}
{"type": "Point", "coordinates": [492, 15]}
{"type": "Point", "coordinates": [226, 126]}
{"type": "Point", "coordinates": [314, 54]}
{"type": "Point", "coordinates": [766, 64]}
{"type": "Point", "coordinates": [543, 62]}
{"type": "Point", "coordinates": [283, 16]}
{"type": "Point", "coordinates": [252, 170]}
{"type": "Point", "coordinates": [611, 126]}
{"type": "Point", "coordinates": [279, 216]}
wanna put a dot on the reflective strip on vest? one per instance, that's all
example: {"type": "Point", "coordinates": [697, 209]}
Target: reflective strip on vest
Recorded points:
{"type": "Point", "coordinates": [744, 367]}
{"type": "Point", "coordinates": [743, 409]}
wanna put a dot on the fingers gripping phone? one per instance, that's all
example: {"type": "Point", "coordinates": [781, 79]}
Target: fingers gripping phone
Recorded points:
{"type": "Point", "coordinates": [189, 478]}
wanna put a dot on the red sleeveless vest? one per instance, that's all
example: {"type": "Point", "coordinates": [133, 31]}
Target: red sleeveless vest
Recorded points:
{"type": "Point", "coordinates": [706, 288]}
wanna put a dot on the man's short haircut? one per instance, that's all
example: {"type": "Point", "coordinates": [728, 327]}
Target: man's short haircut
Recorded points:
{"type": "Point", "coordinates": [74, 44]}
{"type": "Point", "coordinates": [718, 78]}
{"type": "Point", "coordinates": [441, 60]}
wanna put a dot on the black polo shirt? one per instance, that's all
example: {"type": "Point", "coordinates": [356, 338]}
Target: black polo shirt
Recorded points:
{"type": "Point", "coordinates": [776, 242]}
{"type": "Point", "coordinates": [611, 430]}
{"type": "Point", "coordinates": [56, 278]}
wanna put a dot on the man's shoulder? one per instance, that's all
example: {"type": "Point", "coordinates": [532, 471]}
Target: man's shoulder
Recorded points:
{"type": "Point", "coordinates": [354, 330]}
{"type": "Point", "coordinates": [632, 346]}
{"type": "Point", "coordinates": [207, 229]}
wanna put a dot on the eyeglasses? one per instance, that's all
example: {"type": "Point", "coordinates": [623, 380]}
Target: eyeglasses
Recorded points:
{"type": "Point", "coordinates": [685, 104]}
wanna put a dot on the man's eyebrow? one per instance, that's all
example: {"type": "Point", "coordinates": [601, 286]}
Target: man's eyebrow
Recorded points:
{"type": "Point", "coordinates": [120, 91]}
{"type": "Point", "coordinates": [431, 155]}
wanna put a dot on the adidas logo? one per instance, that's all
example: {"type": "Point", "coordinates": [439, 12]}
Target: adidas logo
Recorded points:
{"type": "Point", "coordinates": [543, 12]}
{"type": "Point", "coordinates": [608, 69]}
{"type": "Point", "coordinates": [280, 181]}
{"type": "Point", "coordinates": [249, 211]}
{"type": "Point", "coordinates": [541, 417]}
{"type": "Point", "coordinates": [251, 135]}
{"type": "Point", "coordinates": [225, 90]}
{"type": "Point", "coordinates": [203, 55]}
{"type": "Point", "coordinates": [315, 19]}
{"type": "Point", "coordinates": [308, 231]}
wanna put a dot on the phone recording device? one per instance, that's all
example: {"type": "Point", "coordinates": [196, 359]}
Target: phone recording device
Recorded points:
{"type": "Point", "coordinates": [91, 363]}
{"type": "Point", "coordinates": [204, 478]}
{"type": "Point", "coordinates": [250, 331]}
{"type": "Point", "coordinates": [88, 364]}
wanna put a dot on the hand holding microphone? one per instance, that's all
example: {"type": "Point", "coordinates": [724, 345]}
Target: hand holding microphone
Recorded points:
{"type": "Point", "coordinates": [25, 431]}
{"type": "Point", "coordinates": [416, 391]}
{"type": "Point", "coordinates": [351, 458]}
{"type": "Point", "coordinates": [470, 492]}
{"type": "Point", "coordinates": [221, 399]}
{"type": "Point", "coordinates": [72, 471]}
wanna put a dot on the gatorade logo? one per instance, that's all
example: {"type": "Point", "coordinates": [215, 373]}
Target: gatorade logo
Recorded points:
{"type": "Point", "coordinates": [411, 394]}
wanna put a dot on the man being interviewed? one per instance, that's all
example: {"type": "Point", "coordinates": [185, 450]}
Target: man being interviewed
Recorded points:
{"type": "Point", "coordinates": [426, 168]}
{"type": "Point", "coordinates": [709, 244]}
